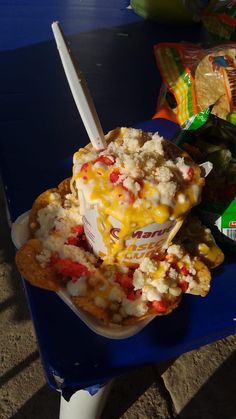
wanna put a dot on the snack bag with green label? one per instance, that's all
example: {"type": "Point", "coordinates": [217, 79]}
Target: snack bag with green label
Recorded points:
{"type": "Point", "coordinates": [215, 141]}
{"type": "Point", "coordinates": [196, 79]}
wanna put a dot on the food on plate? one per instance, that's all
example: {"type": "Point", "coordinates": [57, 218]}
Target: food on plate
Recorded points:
{"type": "Point", "coordinates": [134, 194]}
{"type": "Point", "coordinates": [215, 141]}
{"type": "Point", "coordinates": [197, 239]}
{"type": "Point", "coordinates": [59, 255]}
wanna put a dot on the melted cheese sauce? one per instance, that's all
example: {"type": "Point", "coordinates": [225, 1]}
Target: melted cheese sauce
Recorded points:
{"type": "Point", "coordinates": [103, 185]}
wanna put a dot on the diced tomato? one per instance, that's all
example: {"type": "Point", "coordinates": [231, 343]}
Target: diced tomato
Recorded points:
{"type": "Point", "coordinates": [84, 167]}
{"type": "Point", "coordinates": [183, 285]}
{"type": "Point", "coordinates": [70, 268]}
{"type": "Point", "coordinates": [184, 271]}
{"type": "Point", "coordinates": [79, 229]}
{"type": "Point", "coordinates": [159, 306]}
{"type": "Point", "coordinates": [74, 241]}
{"type": "Point", "coordinates": [171, 259]}
{"type": "Point", "coordinates": [124, 279]}
{"type": "Point", "coordinates": [140, 182]}
{"type": "Point", "coordinates": [114, 176]}
{"type": "Point", "coordinates": [131, 295]}
{"type": "Point", "coordinates": [130, 194]}
{"type": "Point", "coordinates": [105, 160]}
{"type": "Point", "coordinates": [131, 197]}
{"type": "Point", "coordinates": [190, 173]}
{"type": "Point", "coordinates": [54, 258]}
{"type": "Point", "coordinates": [138, 293]}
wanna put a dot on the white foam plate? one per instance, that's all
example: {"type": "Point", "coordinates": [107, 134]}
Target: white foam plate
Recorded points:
{"type": "Point", "coordinates": [20, 233]}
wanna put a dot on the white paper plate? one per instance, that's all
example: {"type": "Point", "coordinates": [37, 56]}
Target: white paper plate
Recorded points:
{"type": "Point", "coordinates": [20, 234]}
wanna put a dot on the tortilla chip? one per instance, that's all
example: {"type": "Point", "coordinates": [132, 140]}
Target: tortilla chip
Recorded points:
{"type": "Point", "coordinates": [31, 269]}
{"type": "Point", "coordinates": [202, 280]}
{"type": "Point", "coordinates": [40, 202]}
{"type": "Point", "coordinates": [198, 240]}
{"type": "Point", "coordinates": [46, 198]}
{"type": "Point", "coordinates": [87, 304]}
{"type": "Point", "coordinates": [210, 81]}
{"type": "Point", "coordinates": [132, 320]}
{"type": "Point", "coordinates": [64, 187]}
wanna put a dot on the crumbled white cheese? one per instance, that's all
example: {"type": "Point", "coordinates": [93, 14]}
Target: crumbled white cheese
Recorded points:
{"type": "Point", "coordinates": [167, 191]}
{"type": "Point", "coordinates": [151, 294]}
{"type": "Point", "coordinates": [136, 307]}
{"type": "Point", "coordinates": [175, 291]}
{"type": "Point", "coordinates": [130, 184]}
{"type": "Point", "coordinates": [77, 288]}
{"type": "Point", "coordinates": [163, 174]}
{"type": "Point", "coordinates": [100, 302]}
{"type": "Point", "coordinates": [138, 279]}
{"type": "Point", "coordinates": [182, 198]}
{"type": "Point", "coordinates": [116, 294]}
{"type": "Point", "coordinates": [176, 250]}
{"type": "Point", "coordinates": [147, 265]}
{"type": "Point", "coordinates": [173, 274]}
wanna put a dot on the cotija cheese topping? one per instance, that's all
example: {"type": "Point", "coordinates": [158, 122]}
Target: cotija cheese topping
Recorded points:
{"type": "Point", "coordinates": [138, 180]}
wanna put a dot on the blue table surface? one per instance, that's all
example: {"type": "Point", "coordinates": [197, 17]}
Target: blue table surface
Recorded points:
{"type": "Point", "coordinates": [40, 131]}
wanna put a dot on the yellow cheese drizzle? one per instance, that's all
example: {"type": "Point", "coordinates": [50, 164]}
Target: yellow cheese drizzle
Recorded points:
{"type": "Point", "coordinates": [130, 217]}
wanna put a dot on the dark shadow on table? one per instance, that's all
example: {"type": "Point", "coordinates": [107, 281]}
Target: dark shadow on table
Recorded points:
{"type": "Point", "coordinates": [44, 404]}
{"type": "Point", "coordinates": [127, 389]}
{"type": "Point", "coordinates": [217, 397]}
{"type": "Point", "coordinates": [16, 297]}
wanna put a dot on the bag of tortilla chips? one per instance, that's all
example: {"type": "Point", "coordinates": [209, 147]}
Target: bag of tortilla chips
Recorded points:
{"type": "Point", "coordinates": [196, 79]}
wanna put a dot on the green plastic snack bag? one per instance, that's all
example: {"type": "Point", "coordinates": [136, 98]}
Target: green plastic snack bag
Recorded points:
{"type": "Point", "coordinates": [215, 141]}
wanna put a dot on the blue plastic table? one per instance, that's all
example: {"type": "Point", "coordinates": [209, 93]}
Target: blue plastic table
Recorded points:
{"type": "Point", "coordinates": [40, 131]}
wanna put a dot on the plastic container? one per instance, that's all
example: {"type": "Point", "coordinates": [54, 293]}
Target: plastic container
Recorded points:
{"type": "Point", "coordinates": [20, 233]}
{"type": "Point", "coordinates": [143, 242]}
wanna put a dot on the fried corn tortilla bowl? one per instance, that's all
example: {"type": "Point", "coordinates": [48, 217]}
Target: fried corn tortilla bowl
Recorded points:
{"type": "Point", "coordinates": [58, 256]}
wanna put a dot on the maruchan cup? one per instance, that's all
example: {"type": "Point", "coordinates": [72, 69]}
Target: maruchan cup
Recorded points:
{"type": "Point", "coordinates": [134, 194]}
{"type": "Point", "coordinates": [143, 242]}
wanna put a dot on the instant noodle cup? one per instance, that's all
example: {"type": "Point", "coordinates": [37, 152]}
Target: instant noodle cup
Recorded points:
{"type": "Point", "coordinates": [143, 242]}
{"type": "Point", "coordinates": [134, 195]}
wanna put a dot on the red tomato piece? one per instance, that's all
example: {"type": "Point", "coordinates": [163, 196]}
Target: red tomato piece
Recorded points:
{"type": "Point", "coordinates": [159, 306]}
{"type": "Point", "coordinates": [131, 295]}
{"type": "Point", "coordinates": [190, 173]}
{"type": "Point", "coordinates": [79, 229]}
{"type": "Point", "coordinates": [114, 176]}
{"type": "Point", "coordinates": [84, 167]}
{"type": "Point", "coordinates": [184, 271]}
{"type": "Point", "coordinates": [74, 241]}
{"type": "Point", "coordinates": [72, 269]}
{"type": "Point", "coordinates": [54, 258]}
{"type": "Point", "coordinates": [124, 279]}
{"type": "Point", "coordinates": [131, 194]}
{"type": "Point", "coordinates": [105, 160]}
{"type": "Point", "coordinates": [183, 285]}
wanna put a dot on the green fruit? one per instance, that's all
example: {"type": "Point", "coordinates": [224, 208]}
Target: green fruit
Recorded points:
{"type": "Point", "coordinates": [162, 11]}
